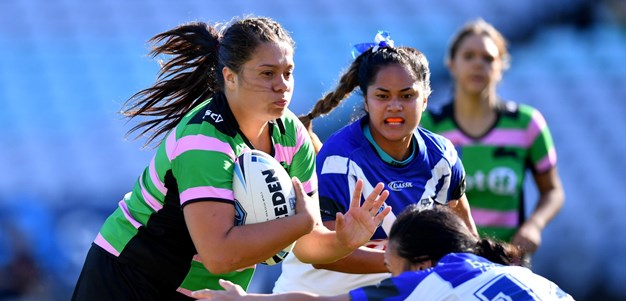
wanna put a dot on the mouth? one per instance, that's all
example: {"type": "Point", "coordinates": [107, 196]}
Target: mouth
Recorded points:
{"type": "Point", "coordinates": [281, 102]}
{"type": "Point", "coordinates": [394, 120]}
{"type": "Point", "coordinates": [477, 78]}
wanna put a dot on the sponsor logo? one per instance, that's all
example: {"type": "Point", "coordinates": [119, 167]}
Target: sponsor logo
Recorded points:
{"type": "Point", "coordinates": [500, 181]}
{"type": "Point", "coordinates": [278, 198]}
{"type": "Point", "coordinates": [399, 185]}
{"type": "Point", "coordinates": [216, 117]}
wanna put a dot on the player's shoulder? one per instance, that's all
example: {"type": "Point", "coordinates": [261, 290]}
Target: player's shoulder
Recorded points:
{"type": "Point", "coordinates": [517, 114]}
{"type": "Point", "coordinates": [515, 109]}
{"type": "Point", "coordinates": [433, 140]}
{"type": "Point", "coordinates": [437, 146]}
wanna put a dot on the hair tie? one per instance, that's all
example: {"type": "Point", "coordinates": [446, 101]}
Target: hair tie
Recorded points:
{"type": "Point", "coordinates": [381, 39]}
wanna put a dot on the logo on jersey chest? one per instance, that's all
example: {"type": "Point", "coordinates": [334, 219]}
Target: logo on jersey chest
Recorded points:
{"type": "Point", "coordinates": [399, 185]}
{"type": "Point", "coordinates": [500, 181]}
{"type": "Point", "coordinates": [216, 117]}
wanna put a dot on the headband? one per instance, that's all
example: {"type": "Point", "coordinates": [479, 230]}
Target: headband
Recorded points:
{"type": "Point", "coordinates": [381, 39]}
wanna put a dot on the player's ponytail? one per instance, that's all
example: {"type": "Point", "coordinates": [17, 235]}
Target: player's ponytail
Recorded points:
{"type": "Point", "coordinates": [196, 54]}
{"type": "Point", "coordinates": [347, 83]}
{"type": "Point", "coordinates": [498, 252]}
{"type": "Point", "coordinates": [186, 78]}
{"type": "Point", "coordinates": [370, 58]}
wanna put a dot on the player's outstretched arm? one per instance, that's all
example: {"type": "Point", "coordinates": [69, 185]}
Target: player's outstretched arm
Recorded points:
{"type": "Point", "coordinates": [234, 292]}
{"type": "Point", "coordinates": [353, 229]}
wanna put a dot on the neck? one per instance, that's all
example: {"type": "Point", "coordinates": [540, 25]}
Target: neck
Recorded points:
{"type": "Point", "coordinates": [474, 105]}
{"type": "Point", "coordinates": [398, 150]}
{"type": "Point", "coordinates": [254, 129]}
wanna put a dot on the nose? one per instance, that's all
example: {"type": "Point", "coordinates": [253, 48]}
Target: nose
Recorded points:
{"type": "Point", "coordinates": [282, 84]}
{"type": "Point", "coordinates": [394, 105]}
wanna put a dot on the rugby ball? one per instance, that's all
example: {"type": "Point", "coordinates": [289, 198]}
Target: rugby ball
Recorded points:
{"type": "Point", "coordinates": [263, 191]}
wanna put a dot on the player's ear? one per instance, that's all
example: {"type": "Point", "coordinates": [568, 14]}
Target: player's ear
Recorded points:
{"type": "Point", "coordinates": [229, 78]}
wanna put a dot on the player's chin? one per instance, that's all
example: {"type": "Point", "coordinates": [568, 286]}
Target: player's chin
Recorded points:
{"type": "Point", "coordinates": [277, 111]}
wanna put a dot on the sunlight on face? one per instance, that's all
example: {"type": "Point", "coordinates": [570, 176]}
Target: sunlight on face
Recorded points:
{"type": "Point", "coordinates": [395, 102]}
{"type": "Point", "coordinates": [264, 87]}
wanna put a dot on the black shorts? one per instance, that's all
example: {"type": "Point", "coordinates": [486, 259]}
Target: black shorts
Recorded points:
{"type": "Point", "coordinates": [103, 277]}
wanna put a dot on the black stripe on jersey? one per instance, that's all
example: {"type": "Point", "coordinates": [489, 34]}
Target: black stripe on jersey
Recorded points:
{"type": "Point", "coordinates": [444, 113]}
{"type": "Point", "coordinates": [226, 201]}
{"type": "Point", "coordinates": [219, 114]}
{"type": "Point", "coordinates": [164, 241]}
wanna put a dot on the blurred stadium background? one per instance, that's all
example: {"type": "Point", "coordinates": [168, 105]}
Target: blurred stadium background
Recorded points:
{"type": "Point", "coordinates": [66, 67]}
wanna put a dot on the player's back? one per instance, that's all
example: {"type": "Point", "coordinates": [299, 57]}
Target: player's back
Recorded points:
{"type": "Point", "coordinates": [463, 276]}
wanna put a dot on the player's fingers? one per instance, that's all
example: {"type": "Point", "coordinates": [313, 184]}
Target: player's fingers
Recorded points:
{"type": "Point", "coordinates": [372, 201]}
{"type": "Point", "coordinates": [300, 194]}
{"type": "Point", "coordinates": [297, 185]}
{"type": "Point", "coordinates": [381, 216]}
{"type": "Point", "coordinates": [339, 220]}
{"type": "Point", "coordinates": [227, 285]}
{"type": "Point", "coordinates": [379, 201]}
{"type": "Point", "coordinates": [356, 196]}
{"type": "Point", "coordinates": [205, 293]}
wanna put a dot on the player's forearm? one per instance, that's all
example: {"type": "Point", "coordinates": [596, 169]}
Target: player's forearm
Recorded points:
{"type": "Point", "coordinates": [462, 209]}
{"type": "Point", "coordinates": [549, 204]}
{"type": "Point", "coordinates": [320, 246]}
{"type": "Point", "coordinates": [292, 296]}
{"type": "Point", "coordinates": [551, 198]}
{"type": "Point", "coordinates": [361, 261]}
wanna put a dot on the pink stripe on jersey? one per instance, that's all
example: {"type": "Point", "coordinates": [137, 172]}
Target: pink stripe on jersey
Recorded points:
{"type": "Point", "coordinates": [154, 177]}
{"type": "Point", "coordinates": [205, 192]}
{"type": "Point", "coordinates": [299, 137]}
{"type": "Point", "coordinates": [519, 137]}
{"type": "Point", "coordinates": [490, 218]}
{"type": "Point", "coordinates": [200, 142]}
{"type": "Point", "coordinates": [150, 200]}
{"type": "Point", "coordinates": [129, 217]}
{"type": "Point", "coordinates": [285, 153]}
{"type": "Point", "coordinates": [546, 162]}
{"type": "Point", "coordinates": [457, 137]}
{"type": "Point", "coordinates": [508, 137]}
{"type": "Point", "coordinates": [103, 243]}
{"type": "Point", "coordinates": [310, 185]}
{"type": "Point", "coordinates": [170, 144]}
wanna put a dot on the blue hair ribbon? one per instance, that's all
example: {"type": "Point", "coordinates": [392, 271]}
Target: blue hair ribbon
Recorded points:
{"type": "Point", "coordinates": [381, 39]}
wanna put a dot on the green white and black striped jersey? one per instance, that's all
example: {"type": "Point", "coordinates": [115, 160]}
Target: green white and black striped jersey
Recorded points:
{"type": "Point", "coordinates": [194, 163]}
{"type": "Point", "coordinates": [496, 163]}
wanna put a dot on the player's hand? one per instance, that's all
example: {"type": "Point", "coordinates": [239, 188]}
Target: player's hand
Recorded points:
{"type": "Point", "coordinates": [357, 226]}
{"type": "Point", "coordinates": [231, 292]}
{"type": "Point", "coordinates": [305, 205]}
{"type": "Point", "coordinates": [528, 237]}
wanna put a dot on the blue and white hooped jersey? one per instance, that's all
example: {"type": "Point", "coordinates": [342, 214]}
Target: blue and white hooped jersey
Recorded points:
{"type": "Point", "coordinates": [434, 175]}
{"type": "Point", "coordinates": [463, 276]}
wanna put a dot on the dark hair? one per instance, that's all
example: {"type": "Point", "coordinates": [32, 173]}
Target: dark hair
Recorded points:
{"type": "Point", "coordinates": [431, 234]}
{"type": "Point", "coordinates": [198, 53]}
{"type": "Point", "coordinates": [479, 27]}
{"type": "Point", "coordinates": [362, 72]}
